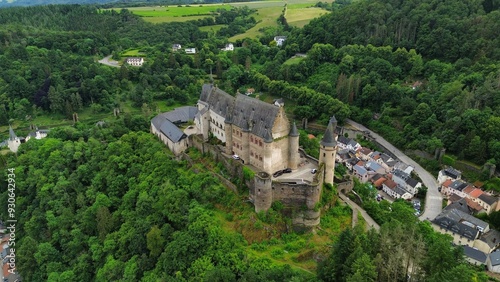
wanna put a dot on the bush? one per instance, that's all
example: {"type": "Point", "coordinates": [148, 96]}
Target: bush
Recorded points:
{"type": "Point", "coordinates": [277, 254]}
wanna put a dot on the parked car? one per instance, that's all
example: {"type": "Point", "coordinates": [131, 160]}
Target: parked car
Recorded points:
{"type": "Point", "coordinates": [287, 170]}
{"type": "Point", "coordinates": [278, 173]}
{"type": "Point", "coordinates": [236, 157]}
{"type": "Point", "coordinates": [313, 171]}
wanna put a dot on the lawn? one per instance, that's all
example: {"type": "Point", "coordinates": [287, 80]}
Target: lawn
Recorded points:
{"type": "Point", "coordinates": [213, 28]}
{"type": "Point", "coordinates": [293, 61]}
{"type": "Point", "coordinates": [132, 53]}
{"type": "Point", "coordinates": [161, 14]}
{"type": "Point", "coordinates": [298, 15]}
{"type": "Point", "coordinates": [266, 17]}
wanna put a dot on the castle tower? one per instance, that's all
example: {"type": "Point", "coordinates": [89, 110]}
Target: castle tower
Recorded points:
{"type": "Point", "coordinates": [245, 144]}
{"type": "Point", "coordinates": [327, 151]}
{"type": "Point", "coordinates": [293, 147]}
{"type": "Point", "coordinates": [228, 131]}
{"type": "Point", "coordinates": [268, 143]}
{"type": "Point", "coordinates": [13, 141]}
{"type": "Point", "coordinates": [263, 194]}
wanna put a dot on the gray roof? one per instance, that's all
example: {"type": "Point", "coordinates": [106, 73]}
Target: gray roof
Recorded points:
{"type": "Point", "coordinates": [353, 143]}
{"type": "Point", "coordinates": [401, 174]}
{"type": "Point", "coordinates": [460, 204]}
{"type": "Point", "coordinates": [495, 258]}
{"type": "Point", "coordinates": [343, 140]}
{"type": "Point", "coordinates": [492, 238]}
{"type": "Point", "coordinates": [294, 132]}
{"type": "Point", "coordinates": [460, 223]}
{"type": "Point", "coordinates": [400, 190]}
{"type": "Point", "coordinates": [475, 254]}
{"type": "Point", "coordinates": [165, 122]}
{"type": "Point", "coordinates": [373, 165]}
{"type": "Point", "coordinates": [458, 185]}
{"type": "Point", "coordinates": [385, 157]}
{"type": "Point", "coordinates": [490, 200]}
{"type": "Point", "coordinates": [401, 166]}
{"type": "Point", "coordinates": [412, 182]}
{"type": "Point", "coordinates": [245, 112]}
{"type": "Point", "coordinates": [361, 170]}
{"type": "Point", "coordinates": [328, 139]}
{"type": "Point", "coordinates": [12, 135]}
{"type": "Point", "coordinates": [451, 172]}
{"type": "Point", "coordinates": [172, 131]}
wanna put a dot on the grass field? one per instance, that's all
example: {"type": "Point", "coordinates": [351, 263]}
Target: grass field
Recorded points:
{"type": "Point", "coordinates": [132, 53]}
{"type": "Point", "coordinates": [299, 13]}
{"type": "Point", "coordinates": [214, 28]}
{"type": "Point", "coordinates": [293, 61]}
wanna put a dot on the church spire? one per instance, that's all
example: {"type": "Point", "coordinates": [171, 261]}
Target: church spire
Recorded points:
{"type": "Point", "coordinates": [294, 132]}
{"type": "Point", "coordinates": [12, 135]}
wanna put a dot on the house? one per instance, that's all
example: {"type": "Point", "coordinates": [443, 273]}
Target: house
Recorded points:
{"type": "Point", "coordinates": [395, 191]}
{"type": "Point", "coordinates": [279, 40]}
{"type": "Point", "coordinates": [364, 153]}
{"type": "Point", "coordinates": [402, 166]}
{"type": "Point", "coordinates": [404, 180]}
{"type": "Point", "coordinates": [190, 50]}
{"type": "Point", "coordinates": [474, 256]}
{"type": "Point", "coordinates": [488, 242]}
{"type": "Point", "coordinates": [448, 173]}
{"type": "Point", "coordinates": [377, 180]}
{"type": "Point", "coordinates": [361, 173]}
{"type": "Point", "coordinates": [350, 163]}
{"type": "Point", "coordinates": [488, 202]}
{"type": "Point", "coordinates": [456, 187]}
{"type": "Point", "coordinates": [460, 205]}
{"type": "Point", "coordinates": [228, 47]}
{"type": "Point", "coordinates": [375, 167]}
{"type": "Point", "coordinates": [347, 143]}
{"type": "Point", "coordinates": [176, 47]}
{"type": "Point", "coordinates": [134, 61]}
{"type": "Point", "coordinates": [344, 155]}
{"type": "Point", "coordinates": [165, 127]}
{"type": "Point", "coordinates": [493, 262]}
{"type": "Point", "coordinates": [463, 227]}
{"type": "Point", "coordinates": [279, 102]}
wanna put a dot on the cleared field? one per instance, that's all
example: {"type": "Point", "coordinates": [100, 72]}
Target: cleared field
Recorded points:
{"type": "Point", "coordinates": [293, 61]}
{"type": "Point", "coordinates": [214, 28]}
{"type": "Point", "coordinates": [300, 16]}
{"type": "Point", "coordinates": [132, 53]}
{"type": "Point", "coordinates": [174, 11]}
{"type": "Point", "coordinates": [266, 16]}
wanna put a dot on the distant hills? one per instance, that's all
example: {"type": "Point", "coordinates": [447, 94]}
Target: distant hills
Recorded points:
{"type": "Point", "coordinates": [12, 3]}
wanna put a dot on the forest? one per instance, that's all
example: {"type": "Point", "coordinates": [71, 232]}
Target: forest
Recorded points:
{"type": "Point", "coordinates": [111, 204]}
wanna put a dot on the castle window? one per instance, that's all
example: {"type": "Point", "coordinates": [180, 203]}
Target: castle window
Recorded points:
{"type": "Point", "coordinates": [251, 153]}
{"type": "Point", "coordinates": [324, 154]}
{"type": "Point", "coordinates": [259, 190]}
{"type": "Point", "coordinates": [251, 138]}
{"type": "Point", "coordinates": [260, 143]}
{"type": "Point", "coordinates": [260, 158]}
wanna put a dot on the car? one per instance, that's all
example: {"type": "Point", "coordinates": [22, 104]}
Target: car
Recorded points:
{"type": "Point", "coordinates": [277, 173]}
{"type": "Point", "coordinates": [236, 157]}
{"type": "Point", "coordinates": [313, 171]}
{"type": "Point", "coordinates": [287, 170]}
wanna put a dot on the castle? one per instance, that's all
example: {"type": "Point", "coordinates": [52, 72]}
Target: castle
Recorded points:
{"type": "Point", "coordinates": [261, 135]}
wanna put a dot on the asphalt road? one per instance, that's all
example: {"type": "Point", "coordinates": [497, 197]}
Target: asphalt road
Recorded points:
{"type": "Point", "coordinates": [433, 200]}
{"type": "Point", "coordinates": [109, 62]}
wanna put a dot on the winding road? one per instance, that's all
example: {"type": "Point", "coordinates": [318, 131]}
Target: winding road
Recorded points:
{"type": "Point", "coordinates": [433, 200]}
{"type": "Point", "coordinates": [109, 62]}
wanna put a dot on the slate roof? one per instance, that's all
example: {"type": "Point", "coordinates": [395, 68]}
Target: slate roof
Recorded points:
{"type": "Point", "coordinates": [294, 132]}
{"type": "Point", "coordinates": [181, 115]}
{"type": "Point", "coordinates": [495, 258]}
{"type": "Point", "coordinates": [458, 185]}
{"type": "Point", "coordinates": [490, 200]}
{"type": "Point", "coordinates": [475, 254]}
{"type": "Point", "coordinates": [461, 205]}
{"type": "Point", "coordinates": [401, 174]}
{"type": "Point", "coordinates": [492, 238]}
{"type": "Point", "coordinates": [400, 190]}
{"type": "Point", "coordinates": [361, 170]}
{"type": "Point", "coordinates": [328, 139]}
{"type": "Point", "coordinates": [460, 223]}
{"type": "Point", "coordinates": [172, 131]}
{"type": "Point", "coordinates": [401, 166]}
{"type": "Point", "coordinates": [12, 135]}
{"type": "Point", "coordinates": [412, 182]}
{"type": "Point", "coordinates": [373, 165]}
{"type": "Point", "coordinates": [451, 172]}
{"type": "Point", "coordinates": [385, 157]}
{"type": "Point", "coordinates": [353, 143]}
{"type": "Point", "coordinates": [344, 140]}
{"type": "Point", "coordinates": [245, 112]}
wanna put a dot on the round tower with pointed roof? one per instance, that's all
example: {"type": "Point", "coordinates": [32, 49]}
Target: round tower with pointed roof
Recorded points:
{"type": "Point", "coordinates": [293, 147]}
{"type": "Point", "coordinates": [327, 151]}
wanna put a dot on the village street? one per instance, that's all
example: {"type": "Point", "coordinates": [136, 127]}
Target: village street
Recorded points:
{"type": "Point", "coordinates": [433, 201]}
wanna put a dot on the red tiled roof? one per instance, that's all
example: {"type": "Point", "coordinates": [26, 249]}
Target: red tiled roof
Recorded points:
{"type": "Point", "coordinates": [468, 189]}
{"type": "Point", "coordinates": [379, 182]}
{"type": "Point", "coordinates": [361, 163]}
{"type": "Point", "coordinates": [365, 151]}
{"type": "Point", "coordinates": [447, 183]}
{"type": "Point", "coordinates": [473, 205]}
{"type": "Point", "coordinates": [476, 193]}
{"type": "Point", "coordinates": [391, 184]}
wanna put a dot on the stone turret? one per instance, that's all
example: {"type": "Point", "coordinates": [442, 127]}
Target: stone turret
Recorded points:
{"type": "Point", "coordinates": [263, 194]}
{"type": "Point", "coordinates": [327, 151]}
{"type": "Point", "coordinates": [293, 147]}
{"type": "Point", "coordinates": [13, 141]}
{"type": "Point", "coordinates": [228, 128]}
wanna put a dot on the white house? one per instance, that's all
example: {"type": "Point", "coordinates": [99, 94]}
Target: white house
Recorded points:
{"type": "Point", "coordinates": [176, 47]}
{"type": "Point", "coordinates": [474, 256]}
{"type": "Point", "coordinates": [229, 47]}
{"type": "Point", "coordinates": [279, 40]}
{"type": "Point", "coordinates": [448, 173]}
{"type": "Point", "coordinates": [190, 50]}
{"type": "Point", "coordinates": [135, 61]}
{"type": "Point", "coordinates": [493, 262]}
